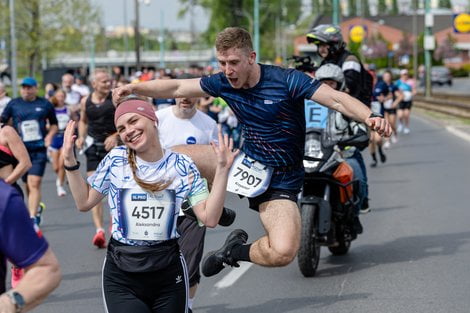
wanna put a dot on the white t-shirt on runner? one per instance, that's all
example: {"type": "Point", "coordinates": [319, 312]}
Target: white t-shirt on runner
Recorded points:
{"type": "Point", "coordinates": [200, 129]}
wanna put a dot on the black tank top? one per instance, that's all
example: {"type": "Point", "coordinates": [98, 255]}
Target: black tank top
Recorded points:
{"type": "Point", "coordinates": [100, 118]}
{"type": "Point", "coordinates": [6, 157]}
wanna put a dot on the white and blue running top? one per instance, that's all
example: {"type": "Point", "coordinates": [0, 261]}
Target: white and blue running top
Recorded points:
{"type": "Point", "coordinates": [138, 216]}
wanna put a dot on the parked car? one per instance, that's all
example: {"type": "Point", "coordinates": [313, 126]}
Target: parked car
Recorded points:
{"type": "Point", "coordinates": [441, 75]}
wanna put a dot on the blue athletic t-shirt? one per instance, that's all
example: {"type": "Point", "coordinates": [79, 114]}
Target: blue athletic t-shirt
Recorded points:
{"type": "Point", "coordinates": [19, 242]}
{"type": "Point", "coordinates": [29, 119]}
{"type": "Point", "coordinates": [271, 113]}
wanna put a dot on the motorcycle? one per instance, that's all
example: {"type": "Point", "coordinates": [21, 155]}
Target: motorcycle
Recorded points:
{"type": "Point", "coordinates": [328, 199]}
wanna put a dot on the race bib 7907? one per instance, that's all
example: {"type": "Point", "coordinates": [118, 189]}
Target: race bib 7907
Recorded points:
{"type": "Point", "coordinates": [248, 177]}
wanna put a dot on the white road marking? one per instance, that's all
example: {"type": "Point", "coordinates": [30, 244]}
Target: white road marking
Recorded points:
{"type": "Point", "coordinates": [233, 276]}
{"type": "Point", "coordinates": [459, 133]}
{"type": "Point", "coordinates": [344, 282]}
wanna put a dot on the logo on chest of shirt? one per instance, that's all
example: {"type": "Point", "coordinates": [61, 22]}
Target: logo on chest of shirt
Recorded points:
{"type": "Point", "coordinates": [38, 109]}
{"type": "Point", "coordinates": [139, 197]}
{"type": "Point", "coordinates": [191, 140]}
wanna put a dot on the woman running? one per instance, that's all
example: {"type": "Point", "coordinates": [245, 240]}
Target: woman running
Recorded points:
{"type": "Point", "coordinates": [144, 270]}
{"type": "Point", "coordinates": [63, 117]}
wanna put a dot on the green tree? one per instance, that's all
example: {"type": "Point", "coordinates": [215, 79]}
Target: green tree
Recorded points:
{"type": "Point", "coordinates": [395, 7]}
{"type": "Point", "coordinates": [445, 4]}
{"type": "Point", "coordinates": [316, 7]}
{"type": "Point", "coordinates": [352, 7]}
{"type": "Point", "coordinates": [226, 13]}
{"type": "Point", "coordinates": [383, 9]}
{"type": "Point", "coordinates": [47, 27]}
{"type": "Point", "coordinates": [365, 8]}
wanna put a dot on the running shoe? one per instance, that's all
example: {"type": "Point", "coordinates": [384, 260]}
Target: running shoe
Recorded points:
{"type": "Point", "coordinates": [393, 139]}
{"type": "Point", "coordinates": [99, 239]}
{"type": "Point", "coordinates": [41, 209]}
{"type": "Point", "coordinates": [227, 218]}
{"type": "Point", "coordinates": [400, 128]}
{"type": "Point", "coordinates": [365, 207]}
{"type": "Point", "coordinates": [406, 131]}
{"type": "Point", "coordinates": [17, 274]}
{"type": "Point", "coordinates": [61, 191]}
{"type": "Point", "coordinates": [386, 145]}
{"type": "Point", "coordinates": [215, 261]}
{"type": "Point", "coordinates": [373, 164]}
{"type": "Point", "coordinates": [383, 158]}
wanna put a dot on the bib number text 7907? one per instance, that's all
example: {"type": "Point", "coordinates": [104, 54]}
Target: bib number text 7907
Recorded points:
{"type": "Point", "coordinates": [250, 179]}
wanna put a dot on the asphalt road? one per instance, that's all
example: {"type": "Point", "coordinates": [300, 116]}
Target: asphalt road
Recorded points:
{"type": "Point", "coordinates": [412, 257]}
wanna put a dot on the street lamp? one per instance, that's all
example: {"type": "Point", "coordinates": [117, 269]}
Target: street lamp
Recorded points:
{"type": "Point", "coordinates": [137, 35]}
{"type": "Point", "coordinates": [13, 49]}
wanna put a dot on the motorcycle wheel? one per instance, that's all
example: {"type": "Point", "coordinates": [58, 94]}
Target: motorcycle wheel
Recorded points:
{"type": "Point", "coordinates": [309, 252]}
{"type": "Point", "coordinates": [343, 245]}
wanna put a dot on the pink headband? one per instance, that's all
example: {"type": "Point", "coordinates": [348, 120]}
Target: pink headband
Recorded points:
{"type": "Point", "coordinates": [135, 106]}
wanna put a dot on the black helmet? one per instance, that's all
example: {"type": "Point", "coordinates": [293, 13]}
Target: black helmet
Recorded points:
{"type": "Point", "coordinates": [327, 33]}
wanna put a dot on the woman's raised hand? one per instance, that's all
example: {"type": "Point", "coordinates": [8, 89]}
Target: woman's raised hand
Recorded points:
{"type": "Point", "coordinates": [69, 142]}
{"type": "Point", "coordinates": [224, 150]}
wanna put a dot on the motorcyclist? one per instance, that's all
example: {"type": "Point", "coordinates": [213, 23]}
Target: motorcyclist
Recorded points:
{"type": "Point", "coordinates": [332, 49]}
{"type": "Point", "coordinates": [333, 76]}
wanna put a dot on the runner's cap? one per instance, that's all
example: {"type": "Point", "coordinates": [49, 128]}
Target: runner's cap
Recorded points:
{"type": "Point", "coordinates": [29, 81]}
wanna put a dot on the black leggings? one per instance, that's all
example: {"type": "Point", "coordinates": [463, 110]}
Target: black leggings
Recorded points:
{"type": "Point", "coordinates": [162, 291]}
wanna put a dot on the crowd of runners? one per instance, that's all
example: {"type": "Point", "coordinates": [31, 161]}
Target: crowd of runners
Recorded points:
{"type": "Point", "coordinates": [160, 144]}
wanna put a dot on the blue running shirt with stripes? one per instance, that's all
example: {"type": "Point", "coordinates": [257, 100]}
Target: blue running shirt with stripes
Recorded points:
{"type": "Point", "coordinates": [271, 113]}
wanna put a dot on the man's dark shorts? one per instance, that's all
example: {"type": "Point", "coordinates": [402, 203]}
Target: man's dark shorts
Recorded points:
{"type": "Point", "coordinates": [286, 184]}
{"type": "Point", "coordinates": [94, 154]}
{"type": "Point", "coordinates": [272, 194]}
{"type": "Point", "coordinates": [38, 161]}
{"type": "Point", "coordinates": [405, 105]}
{"type": "Point", "coordinates": [191, 245]}
{"type": "Point", "coordinates": [391, 111]}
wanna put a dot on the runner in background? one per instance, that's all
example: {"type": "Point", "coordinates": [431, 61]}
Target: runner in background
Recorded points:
{"type": "Point", "coordinates": [97, 136]}
{"type": "Point", "coordinates": [29, 115]}
{"type": "Point", "coordinates": [407, 86]}
{"type": "Point", "coordinates": [62, 113]}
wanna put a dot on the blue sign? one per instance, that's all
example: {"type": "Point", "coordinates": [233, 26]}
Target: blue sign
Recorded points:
{"type": "Point", "coordinates": [316, 115]}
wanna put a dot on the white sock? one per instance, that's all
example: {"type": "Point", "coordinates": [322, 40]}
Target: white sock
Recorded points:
{"type": "Point", "coordinates": [190, 303]}
{"type": "Point", "coordinates": [100, 229]}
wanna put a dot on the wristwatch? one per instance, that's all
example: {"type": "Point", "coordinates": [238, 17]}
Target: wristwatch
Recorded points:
{"type": "Point", "coordinates": [72, 168]}
{"type": "Point", "coordinates": [17, 299]}
{"type": "Point", "coordinates": [372, 115]}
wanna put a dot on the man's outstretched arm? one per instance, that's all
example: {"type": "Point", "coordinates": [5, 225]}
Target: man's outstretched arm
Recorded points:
{"type": "Point", "coordinates": [351, 107]}
{"type": "Point", "coordinates": [161, 88]}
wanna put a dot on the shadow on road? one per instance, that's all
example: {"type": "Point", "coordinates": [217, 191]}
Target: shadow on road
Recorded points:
{"type": "Point", "coordinates": [285, 304]}
{"type": "Point", "coordinates": [401, 250]}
